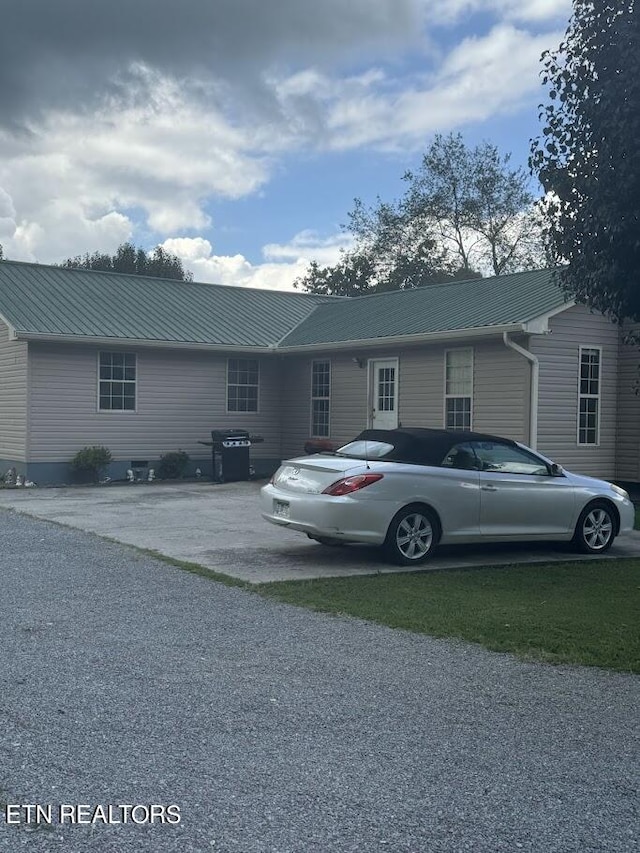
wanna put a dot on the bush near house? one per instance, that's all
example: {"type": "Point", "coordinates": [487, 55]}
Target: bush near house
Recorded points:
{"type": "Point", "coordinates": [173, 465]}
{"type": "Point", "coordinates": [91, 461]}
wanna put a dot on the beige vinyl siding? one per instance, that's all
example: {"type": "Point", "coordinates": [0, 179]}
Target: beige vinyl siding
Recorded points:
{"type": "Point", "coordinates": [500, 388]}
{"type": "Point", "coordinates": [628, 438]}
{"type": "Point", "coordinates": [13, 397]}
{"type": "Point", "coordinates": [348, 401]}
{"type": "Point", "coordinates": [181, 397]}
{"type": "Point", "coordinates": [559, 354]}
{"type": "Point", "coordinates": [501, 392]}
{"type": "Point", "coordinates": [421, 389]}
{"type": "Point", "coordinates": [348, 398]}
{"type": "Point", "coordinates": [295, 403]}
{"type": "Point", "coordinates": [500, 398]}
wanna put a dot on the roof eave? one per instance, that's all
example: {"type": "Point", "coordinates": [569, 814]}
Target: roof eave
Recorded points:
{"type": "Point", "coordinates": [540, 324]}
{"type": "Point", "coordinates": [10, 327]}
{"type": "Point", "coordinates": [424, 338]}
{"type": "Point", "coordinates": [137, 342]}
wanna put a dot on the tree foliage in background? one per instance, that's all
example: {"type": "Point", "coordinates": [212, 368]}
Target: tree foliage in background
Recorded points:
{"type": "Point", "coordinates": [404, 248]}
{"type": "Point", "coordinates": [133, 261]}
{"type": "Point", "coordinates": [588, 156]}
{"type": "Point", "coordinates": [351, 276]}
{"type": "Point", "coordinates": [482, 208]}
{"type": "Point", "coordinates": [464, 210]}
{"type": "Point", "coordinates": [391, 255]}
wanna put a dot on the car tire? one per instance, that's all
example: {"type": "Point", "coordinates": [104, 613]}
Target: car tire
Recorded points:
{"type": "Point", "coordinates": [596, 528]}
{"type": "Point", "coordinates": [412, 536]}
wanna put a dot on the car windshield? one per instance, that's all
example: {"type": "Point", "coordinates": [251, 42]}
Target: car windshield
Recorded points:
{"type": "Point", "coordinates": [361, 449]}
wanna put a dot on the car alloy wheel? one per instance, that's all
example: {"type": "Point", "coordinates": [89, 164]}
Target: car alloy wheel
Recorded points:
{"type": "Point", "coordinates": [412, 536]}
{"type": "Point", "coordinates": [596, 529]}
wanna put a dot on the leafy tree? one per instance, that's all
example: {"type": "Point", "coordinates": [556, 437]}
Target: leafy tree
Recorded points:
{"type": "Point", "coordinates": [588, 158]}
{"type": "Point", "coordinates": [403, 249]}
{"type": "Point", "coordinates": [134, 261]}
{"type": "Point", "coordinates": [463, 210]}
{"type": "Point", "coordinates": [351, 276]}
{"type": "Point", "coordinates": [1, 253]}
{"type": "Point", "coordinates": [483, 209]}
{"type": "Point", "coordinates": [389, 255]}
{"type": "Point", "coordinates": [165, 265]}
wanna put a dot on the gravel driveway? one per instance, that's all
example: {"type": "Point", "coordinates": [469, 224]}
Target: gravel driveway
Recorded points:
{"type": "Point", "coordinates": [273, 729]}
{"type": "Point", "coordinates": [220, 527]}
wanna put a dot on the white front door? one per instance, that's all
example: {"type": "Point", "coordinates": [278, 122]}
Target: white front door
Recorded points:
{"type": "Point", "coordinates": [384, 393]}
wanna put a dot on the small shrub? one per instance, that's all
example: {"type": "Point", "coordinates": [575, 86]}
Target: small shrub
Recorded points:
{"type": "Point", "coordinates": [173, 465]}
{"type": "Point", "coordinates": [91, 461]}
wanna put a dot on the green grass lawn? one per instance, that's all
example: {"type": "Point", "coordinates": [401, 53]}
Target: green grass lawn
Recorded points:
{"type": "Point", "coordinates": [581, 613]}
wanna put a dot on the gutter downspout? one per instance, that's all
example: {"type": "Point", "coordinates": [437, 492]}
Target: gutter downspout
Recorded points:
{"type": "Point", "coordinates": [535, 381]}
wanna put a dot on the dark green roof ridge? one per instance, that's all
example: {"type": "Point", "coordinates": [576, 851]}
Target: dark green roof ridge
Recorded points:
{"type": "Point", "coordinates": [176, 281]}
{"type": "Point", "coordinates": [53, 301]}
{"type": "Point", "coordinates": [452, 306]}
{"type": "Point", "coordinates": [63, 302]}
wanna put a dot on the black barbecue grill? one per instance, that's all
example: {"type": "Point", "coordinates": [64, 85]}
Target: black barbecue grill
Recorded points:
{"type": "Point", "coordinates": [230, 455]}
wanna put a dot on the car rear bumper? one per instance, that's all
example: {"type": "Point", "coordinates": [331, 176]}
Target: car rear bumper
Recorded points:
{"type": "Point", "coordinates": [327, 516]}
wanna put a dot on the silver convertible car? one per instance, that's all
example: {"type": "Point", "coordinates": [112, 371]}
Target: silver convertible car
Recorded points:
{"type": "Point", "coordinates": [409, 489]}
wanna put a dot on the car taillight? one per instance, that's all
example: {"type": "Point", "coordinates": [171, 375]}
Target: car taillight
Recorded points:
{"type": "Point", "coordinates": [351, 484]}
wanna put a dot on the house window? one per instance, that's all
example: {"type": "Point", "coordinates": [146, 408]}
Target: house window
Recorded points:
{"type": "Point", "coordinates": [242, 385]}
{"type": "Point", "coordinates": [320, 398]}
{"type": "Point", "coordinates": [458, 388]}
{"type": "Point", "coordinates": [117, 384]}
{"type": "Point", "coordinates": [589, 395]}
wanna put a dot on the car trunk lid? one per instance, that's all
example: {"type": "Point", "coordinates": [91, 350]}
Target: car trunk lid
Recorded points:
{"type": "Point", "coordinates": [313, 475]}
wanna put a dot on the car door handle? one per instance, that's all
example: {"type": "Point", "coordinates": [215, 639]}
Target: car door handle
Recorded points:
{"type": "Point", "coordinates": [489, 488]}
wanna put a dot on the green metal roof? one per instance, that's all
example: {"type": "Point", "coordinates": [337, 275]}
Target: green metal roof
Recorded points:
{"type": "Point", "coordinates": [59, 302]}
{"type": "Point", "coordinates": [55, 301]}
{"type": "Point", "coordinates": [453, 306]}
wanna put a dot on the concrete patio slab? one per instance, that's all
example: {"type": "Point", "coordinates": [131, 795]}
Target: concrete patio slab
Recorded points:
{"type": "Point", "coordinates": [220, 527]}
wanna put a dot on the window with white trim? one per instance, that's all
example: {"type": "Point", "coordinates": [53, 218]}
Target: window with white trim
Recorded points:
{"type": "Point", "coordinates": [458, 388]}
{"type": "Point", "coordinates": [589, 395]}
{"type": "Point", "coordinates": [320, 398]}
{"type": "Point", "coordinates": [117, 382]}
{"type": "Point", "coordinates": [242, 384]}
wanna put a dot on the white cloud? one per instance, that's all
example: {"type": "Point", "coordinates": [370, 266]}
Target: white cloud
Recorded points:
{"type": "Point", "coordinates": [76, 177]}
{"type": "Point", "coordinates": [7, 210]}
{"type": "Point", "coordinates": [62, 230]}
{"type": "Point", "coordinates": [481, 78]}
{"type": "Point", "coordinates": [283, 263]}
{"type": "Point", "coordinates": [535, 10]}
{"type": "Point", "coordinates": [308, 246]}
{"type": "Point", "coordinates": [151, 157]}
{"type": "Point", "coordinates": [538, 11]}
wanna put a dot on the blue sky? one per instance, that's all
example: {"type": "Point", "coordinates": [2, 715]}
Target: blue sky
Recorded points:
{"type": "Point", "coordinates": [237, 133]}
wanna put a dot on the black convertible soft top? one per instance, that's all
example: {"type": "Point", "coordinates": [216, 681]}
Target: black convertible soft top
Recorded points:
{"type": "Point", "coordinates": [422, 446]}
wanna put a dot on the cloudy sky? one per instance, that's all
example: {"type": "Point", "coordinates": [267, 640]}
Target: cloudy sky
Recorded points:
{"type": "Point", "coordinates": [238, 132]}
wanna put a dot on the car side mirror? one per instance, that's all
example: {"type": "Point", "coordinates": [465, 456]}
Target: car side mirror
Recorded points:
{"type": "Point", "coordinates": [556, 470]}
